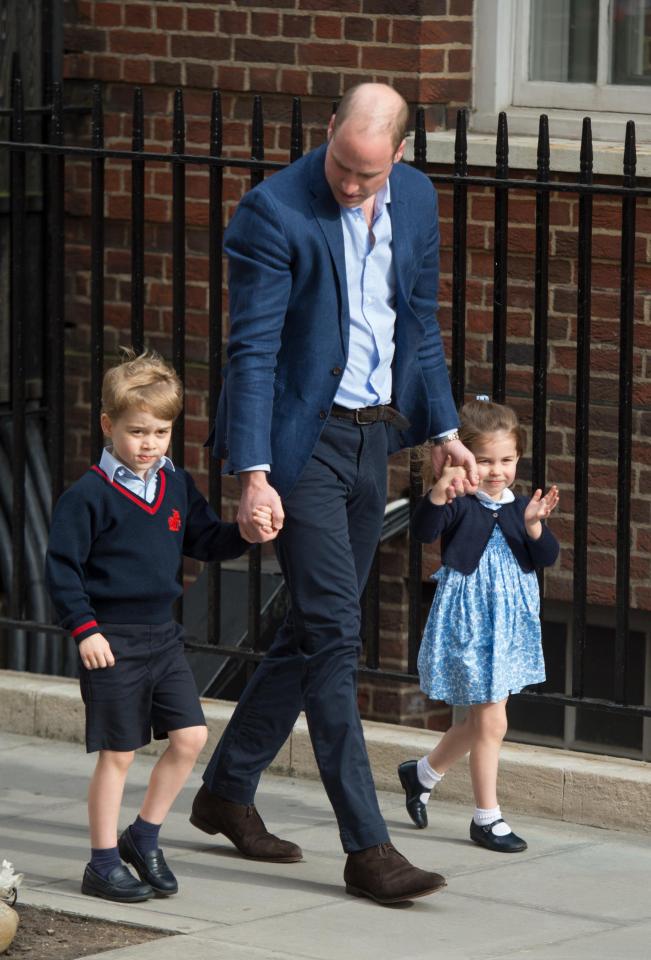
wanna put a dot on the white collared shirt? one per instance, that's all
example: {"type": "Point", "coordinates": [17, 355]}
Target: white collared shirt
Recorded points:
{"type": "Point", "coordinates": [143, 487]}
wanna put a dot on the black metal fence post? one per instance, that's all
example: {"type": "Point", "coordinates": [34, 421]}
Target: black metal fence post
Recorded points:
{"type": "Point", "coordinates": [54, 313]}
{"type": "Point", "coordinates": [582, 428]}
{"type": "Point", "coordinates": [138, 223]}
{"type": "Point", "coordinates": [501, 261]}
{"type": "Point", "coordinates": [625, 422]}
{"type": "Point", "coordinates": [96, 274]}
{"type": "Point", "coordinates": [459, 260]}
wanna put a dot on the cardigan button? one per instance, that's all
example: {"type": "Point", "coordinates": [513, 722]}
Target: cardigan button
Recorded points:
{"type": "Point", "coordinates": [496, 514]}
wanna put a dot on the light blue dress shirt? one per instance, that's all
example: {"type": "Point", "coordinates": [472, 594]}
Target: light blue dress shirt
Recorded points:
{"type": "Point", "coordinates": [371, 284]}
{"type": "Point", "coordinates": [143, 487]}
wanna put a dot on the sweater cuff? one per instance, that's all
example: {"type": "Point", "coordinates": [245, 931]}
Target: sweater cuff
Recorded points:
{"type": "Point", "coordinates": [86, 629]}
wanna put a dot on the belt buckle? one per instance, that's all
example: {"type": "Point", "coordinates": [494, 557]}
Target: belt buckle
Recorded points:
{"type": "Point", "coordinates": [360, 423]}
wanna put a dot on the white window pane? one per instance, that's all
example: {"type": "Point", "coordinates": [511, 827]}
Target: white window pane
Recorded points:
{"type": "Point", "coordinates": [631, 43]}
{"type": "Point", "coordinates": [563, 41]}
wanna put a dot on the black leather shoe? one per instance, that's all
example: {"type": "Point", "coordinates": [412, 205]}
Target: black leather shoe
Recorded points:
{"type": "Point", "coordinates": [120, 885]}
{"type": "Point", "coordinates": [150, 867]}
{"type": "Point", "coordinates": [413, 788]}
{"type": "Point", "coordinates": [484, 836]}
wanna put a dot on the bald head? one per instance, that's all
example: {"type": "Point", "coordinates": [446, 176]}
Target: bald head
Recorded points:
{"type": "Point", "coordinates": [373, 109]}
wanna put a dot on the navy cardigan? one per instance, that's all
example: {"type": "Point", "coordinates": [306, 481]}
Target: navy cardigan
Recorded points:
{"type": "Point", "coordinates": [465, 527]}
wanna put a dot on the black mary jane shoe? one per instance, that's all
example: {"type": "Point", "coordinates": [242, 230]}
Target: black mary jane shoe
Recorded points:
{"type": "Point", "coordinates": [120, 886]}
{"type": "Point", "coordinates": [150, 867]}
{"type": "Point", "coordinates": [484, 836]}
{"type": "Point", "coordinates": [413, 788]}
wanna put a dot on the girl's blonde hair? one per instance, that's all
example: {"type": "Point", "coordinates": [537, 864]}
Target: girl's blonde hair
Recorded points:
{"type": "Point", "coordinates": [144, 381]}
{"type": "Point", "coordinates": [481, 417]}
{"type": "Point", "coordinates": [478, 418]}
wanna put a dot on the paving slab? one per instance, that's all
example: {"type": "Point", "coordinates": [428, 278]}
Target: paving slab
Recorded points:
{"type": "Point", "coordinates": [578, 892]}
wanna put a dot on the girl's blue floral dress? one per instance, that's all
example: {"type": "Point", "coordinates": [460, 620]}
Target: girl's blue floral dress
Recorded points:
{"type": "Point", "coordinates": [482, 638]}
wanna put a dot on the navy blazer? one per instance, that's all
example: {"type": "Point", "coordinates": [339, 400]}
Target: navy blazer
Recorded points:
{"type": "Point", "coordinates": [289, 319]}
{"type": "Point", "coordinates": [465, 527]}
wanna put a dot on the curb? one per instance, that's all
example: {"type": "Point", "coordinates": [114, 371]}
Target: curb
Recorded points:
{"type": "Point", "coordinates": [581, 788]}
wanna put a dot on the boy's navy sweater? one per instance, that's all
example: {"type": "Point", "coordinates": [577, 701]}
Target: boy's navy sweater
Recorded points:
{"type": "Point", "coordinates": [113, 557]}
{"type": "Point", "coordinates": [465, 527]}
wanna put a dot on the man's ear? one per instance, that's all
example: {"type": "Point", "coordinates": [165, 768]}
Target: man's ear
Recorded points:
{"type": "Point", "coordinates": [331, 127]}
{"type": "Point", "coordinates": [399, 152]}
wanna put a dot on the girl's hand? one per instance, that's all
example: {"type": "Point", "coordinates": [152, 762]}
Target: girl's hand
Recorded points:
{"type": "Point", "coordinates": [538, 509]}
{"type": "Point", "coordinates": [263, 518]}
{"type": "Point", "coordinates": [95, 651]}
{"type": "Point", "coordinates": [452, 483]}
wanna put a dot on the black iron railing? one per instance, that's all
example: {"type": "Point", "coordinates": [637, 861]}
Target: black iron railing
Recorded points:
{"type": "Point", "coordinates": [52, 410]}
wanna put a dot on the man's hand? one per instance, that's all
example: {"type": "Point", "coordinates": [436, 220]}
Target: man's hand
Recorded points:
{"type": "Point", "coordinates": [452, 483]}
{"type": "Point", "coordinates": [95, 651]}
{"type": "Point", "coordinates": [256, 495]}
{"type": "Point", "coordinates": [460, 456]}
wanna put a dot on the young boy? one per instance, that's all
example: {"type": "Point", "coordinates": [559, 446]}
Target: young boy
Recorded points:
{"type": "Point", "coordinates": [116, 543]}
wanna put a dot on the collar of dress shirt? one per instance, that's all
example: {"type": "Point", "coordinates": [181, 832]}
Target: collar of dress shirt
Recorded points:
{"type": "Point", "coordinates": [486, 501]}
{"type": "Point", "coordinates": [382, 197]}
{"type": "Point", "coordinates": [111, 465]}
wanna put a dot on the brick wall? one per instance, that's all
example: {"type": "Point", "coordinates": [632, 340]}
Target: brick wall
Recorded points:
{"type": "Point", "coordinates": [316, 49]}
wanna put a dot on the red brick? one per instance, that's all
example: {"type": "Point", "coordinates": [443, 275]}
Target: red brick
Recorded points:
{"type": "Point", "coordinates": [200, 75]}
{"type": "Point", "coordinates": [169, 17]}
{"type": "Point", "coordinates": [232, 22]}
{"type": "Point", "coordinates": [399, 59]}
{"type": "Point", "coordinates": [459, 61]}
{"type": "Point", "coordinates": [265, 24]}
{"type": "Point", "coordinates": [326, 84]}
{"type": "Point", "coordinates": [200, 48]}
{"type": "Point", "coordinates": [200, 20]}
{"type": "Point", "coordinates": [153, 44]}
{"type": "Point", "coordinates": [137, 15]}
{"type": "Point", "coordinates": [444, 91]}
{"type": "Point", "coordinates": [383, 30]}
{"type": "Point", "coordinates": [328, 28]}
{"type": "Point", "coordinates": [107, 14]}
{"type": "Point", "coordinates": [328, 54]}
{"type": "Point", "coordinates": [296, 25]}
{"type": "Point", "coordinates": [263, 79]}
{"type": "Point", "coordinates": [168, 73]}
{"type": "Point", "coordinates": [431, 61]}
{"type": "Point", "coordinates": [107, 68]}
{"type": "Point", "coordinates": [461, 8]}
{"type": "Point", "coordinates": [406, 31]}
{"type": "Point", "coordinates": [231, 78]}
{"type": "Point", "coordinates": [446, 31]}
{"type": "Point", "coordinates": [358, 28]}
{"type": "Point", "coordinates": [294, 82]}
{"type": "Point", "coordinates": [264, 51]}
{"type": "Point", "coordinates": [84, 39]}
{"type": "Point", "coordinates": [340, 6]}
{"type": "Point", "coordinates": [137, 71]}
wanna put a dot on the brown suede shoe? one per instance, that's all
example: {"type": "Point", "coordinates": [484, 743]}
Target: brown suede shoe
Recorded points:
{"type": "Point", "coordinates": [243, 826]}
{"type": "Point", "coordinates": [385, 876]}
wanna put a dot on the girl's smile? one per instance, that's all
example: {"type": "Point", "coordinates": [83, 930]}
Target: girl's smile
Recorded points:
{"type": "Point", "coordinates": [497, 458]}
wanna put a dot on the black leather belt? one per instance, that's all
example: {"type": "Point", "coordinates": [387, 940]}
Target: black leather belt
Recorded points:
{"type": "Point", "coordinates": [381, 412]}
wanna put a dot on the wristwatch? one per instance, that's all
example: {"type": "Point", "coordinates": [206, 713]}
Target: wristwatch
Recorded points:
{"type": "Point", "coordinates": [446, 438]}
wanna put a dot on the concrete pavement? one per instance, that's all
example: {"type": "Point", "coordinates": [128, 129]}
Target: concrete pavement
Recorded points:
{"type": "Point", "coordinates": [578, 893]}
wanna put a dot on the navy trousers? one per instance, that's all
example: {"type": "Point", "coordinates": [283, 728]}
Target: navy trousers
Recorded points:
{"type": "Point", "coordinates": [333, 519]}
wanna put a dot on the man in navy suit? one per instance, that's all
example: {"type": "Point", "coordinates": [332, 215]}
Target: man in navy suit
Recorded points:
{"type": "Point", "coordinates": [335, 360]}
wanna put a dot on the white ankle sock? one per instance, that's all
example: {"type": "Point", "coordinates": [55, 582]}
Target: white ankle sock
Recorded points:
{"type": "Point", "coordinates": [483, 817]}
{"type": "Point", "coordinates": [427, 776]}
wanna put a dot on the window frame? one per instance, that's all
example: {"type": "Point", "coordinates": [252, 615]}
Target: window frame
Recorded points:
{"type": "Point", "coordinates": [500, 69]}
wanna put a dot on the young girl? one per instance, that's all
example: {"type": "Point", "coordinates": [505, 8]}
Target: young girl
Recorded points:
{"type": "Point", "coordinates": [482, 637]}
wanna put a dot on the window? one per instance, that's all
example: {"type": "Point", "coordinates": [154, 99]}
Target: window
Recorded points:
{"type": "Point", "coordinates": [592, 56]}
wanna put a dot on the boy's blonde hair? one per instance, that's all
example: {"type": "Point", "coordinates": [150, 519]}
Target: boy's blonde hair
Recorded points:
{"type": "Point", "coordinates": [144, 381]}
{"type": "Point", "coordinates": [481, 417]}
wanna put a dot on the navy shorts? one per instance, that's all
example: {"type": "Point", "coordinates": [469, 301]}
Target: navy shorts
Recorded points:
{"type": "Point", "coordinates": [150, 689]}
